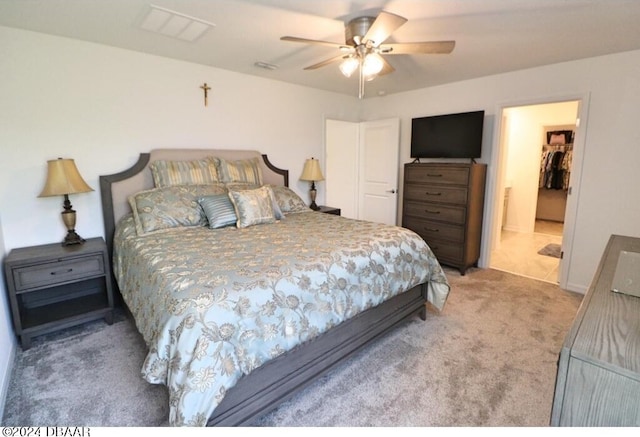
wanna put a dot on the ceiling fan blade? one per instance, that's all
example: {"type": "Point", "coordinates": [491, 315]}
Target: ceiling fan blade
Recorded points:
{"type": "Point", "coordinates": [386, 68]}
{"type": "Point", "coordinates": [416, 48]}
{"type": "Point", "coordinates": [383, 27]}
{"type": "Point", "coordinates": [315, 41]}
{"type": "Point", "coordinates": [325, 62]}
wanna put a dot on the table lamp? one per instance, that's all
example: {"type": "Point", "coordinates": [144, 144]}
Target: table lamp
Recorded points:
{"type": "Point", "coordinates": [311, 172]}
{"type": "Point", "coordinates": [63, 179]}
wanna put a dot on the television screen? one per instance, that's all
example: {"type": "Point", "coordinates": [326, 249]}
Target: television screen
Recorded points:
{"type": "Point", "coordinates": [447, 136]}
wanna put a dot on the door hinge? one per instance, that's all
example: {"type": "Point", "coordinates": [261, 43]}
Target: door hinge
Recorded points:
{"type": "Point", "coordinates": [561, 254]}
{"type": "Point", "coordinates": [569, 191]}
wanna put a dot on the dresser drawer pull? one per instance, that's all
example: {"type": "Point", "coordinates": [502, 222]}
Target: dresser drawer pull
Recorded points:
{"type": "Point", "coordinates": [434, 175]}
{"type": "Point", "coordinates": [63, 272]}
{"type": "Point", "coordinates": [433, 194]}
{"type": "Point", "coordinates": [431, 212]}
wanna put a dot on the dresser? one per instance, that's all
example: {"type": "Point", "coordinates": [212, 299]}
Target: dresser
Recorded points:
{"type": "Point", "coordinates": [444, 203]}
{"type": "Point", "coordinates": [598, 380]}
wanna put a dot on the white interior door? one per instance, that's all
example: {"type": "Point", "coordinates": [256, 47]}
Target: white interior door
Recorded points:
{"type": "Point", "coordinates": [341, 167]}
{"type": "Point", "coordinates": [379, 150]}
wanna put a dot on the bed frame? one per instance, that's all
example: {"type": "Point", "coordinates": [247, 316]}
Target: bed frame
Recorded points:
{"type": "Point", "coordinates": [277, 380]}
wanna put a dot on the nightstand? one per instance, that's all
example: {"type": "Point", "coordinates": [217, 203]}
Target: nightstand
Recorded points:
{"type": "Point", "coordinates": [52, 287]}
{"type": "Point", "coordinates": [329, 210]}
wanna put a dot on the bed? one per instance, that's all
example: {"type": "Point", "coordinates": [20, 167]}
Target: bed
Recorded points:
{"type": "Point", "coordinates": [239, 313]}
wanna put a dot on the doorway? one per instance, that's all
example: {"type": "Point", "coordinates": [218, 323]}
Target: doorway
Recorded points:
{"type": "Point", "coordinates": [537, 143]}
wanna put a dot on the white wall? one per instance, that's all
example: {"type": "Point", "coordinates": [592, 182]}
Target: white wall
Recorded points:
{"type": "Point", "coordinates": [102, 106]}
{"type": "Point", "coordinates": [7, 339]}
{"type": "Point", "coordinates": [608, 202]}
{"type": "Point", "coordinates": [525, 137]}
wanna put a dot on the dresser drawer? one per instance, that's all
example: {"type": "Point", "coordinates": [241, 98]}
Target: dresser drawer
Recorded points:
{"type": "Point", "coordinates": [437, 193]}
{"type": "Point", "coordinates": [437, 174]}
{"type": "Point", "coordinates": [57, 272]}
{"type": "Point", "coordinates": [434, 211]}
{"type": "Point", "coordinates": [433, 230]}
{"type": "Point", "coordinates": [446, 251]}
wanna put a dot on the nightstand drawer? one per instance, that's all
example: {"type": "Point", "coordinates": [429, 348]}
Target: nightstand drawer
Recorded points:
{"type": "Point", "coordinates": [52, 273]}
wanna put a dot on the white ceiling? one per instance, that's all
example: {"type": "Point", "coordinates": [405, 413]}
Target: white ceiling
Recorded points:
{"type": "Point", "coordinates": [492, 36]}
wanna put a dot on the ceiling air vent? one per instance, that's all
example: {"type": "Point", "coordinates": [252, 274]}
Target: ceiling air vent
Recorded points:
{"type": "Point", "coordinates": [174, 24]}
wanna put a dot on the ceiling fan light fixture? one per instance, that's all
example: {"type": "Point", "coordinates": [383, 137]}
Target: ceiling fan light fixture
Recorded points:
{"type": "Point", "coordinates": [372, 65]}
{"type": "Point", "coordinates": [348, 66]}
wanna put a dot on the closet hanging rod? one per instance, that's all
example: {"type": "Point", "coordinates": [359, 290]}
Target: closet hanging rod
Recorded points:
{"type": "Point", "coordinates": [562, 147]}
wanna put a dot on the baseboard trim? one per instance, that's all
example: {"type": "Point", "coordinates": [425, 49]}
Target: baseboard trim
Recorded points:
{"type": "Point", "coordinates": [578, 288]}
{"type": "Point", "coordinates": [6, 378]}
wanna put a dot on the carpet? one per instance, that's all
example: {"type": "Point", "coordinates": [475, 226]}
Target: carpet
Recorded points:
{"type": "Point", "coordinates": [552, 250]}
{"type": "Point", "coordinates": [489, 359]}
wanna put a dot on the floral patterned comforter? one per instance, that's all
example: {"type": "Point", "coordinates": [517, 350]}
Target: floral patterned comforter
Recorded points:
{"type": "Point", "coordinates": [215, 304]}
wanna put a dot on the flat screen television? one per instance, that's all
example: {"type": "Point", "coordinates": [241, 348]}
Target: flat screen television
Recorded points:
{"type": "Point", "coordinates": [447, 136]}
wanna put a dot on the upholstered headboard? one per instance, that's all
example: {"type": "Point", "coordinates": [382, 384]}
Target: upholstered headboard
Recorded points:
{"type": "Point", "coordinates": [115, 189]}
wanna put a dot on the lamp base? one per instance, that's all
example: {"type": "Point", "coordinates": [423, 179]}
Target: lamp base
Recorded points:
{"type": "Point", "coordinates": [312, 194]}
{"type": "Point", "coordinates": [72, 238]}
{"type": "Point", "coordinates": [69, 219]}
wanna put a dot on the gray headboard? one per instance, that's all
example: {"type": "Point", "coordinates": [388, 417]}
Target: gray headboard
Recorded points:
{"type": "Point", "coordinates": [115, 189]}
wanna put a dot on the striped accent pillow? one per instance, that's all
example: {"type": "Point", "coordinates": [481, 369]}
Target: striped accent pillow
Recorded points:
{"type": "Point", "coordinates": [196, 172]}
{"type": "Point", "coordinates": [219, 210]}
{"type": "Point", "coordinates": [242, 170]}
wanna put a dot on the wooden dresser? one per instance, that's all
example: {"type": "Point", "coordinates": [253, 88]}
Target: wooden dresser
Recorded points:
{"type": "Point", "coordinates": [443, 203]}
{"type": "Point", "coordinates": [598, 381]}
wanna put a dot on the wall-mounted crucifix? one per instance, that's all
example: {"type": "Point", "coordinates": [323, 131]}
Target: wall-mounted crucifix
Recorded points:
{"type": "Point", "coordinates": [206, 88]}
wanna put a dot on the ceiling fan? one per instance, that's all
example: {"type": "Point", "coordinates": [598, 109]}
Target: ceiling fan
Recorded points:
{"type": "Point", "coordinates": [364, 47]}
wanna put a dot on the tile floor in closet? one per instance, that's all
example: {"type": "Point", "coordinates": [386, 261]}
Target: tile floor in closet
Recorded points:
{"type": "Point", "coordinates": [518, 252]}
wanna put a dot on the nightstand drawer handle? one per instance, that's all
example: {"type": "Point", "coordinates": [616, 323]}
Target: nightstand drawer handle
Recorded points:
{"type": "Point", "coordinates": [431, 212]}
{"type": "Point", "coordinates": [62, 272]}
{"type": "Point", "coordinates": [434, 175]}
{"type": "Point", "coordinates": [433, 194]}
{"type": "Point", "coordinates": [432, 229]}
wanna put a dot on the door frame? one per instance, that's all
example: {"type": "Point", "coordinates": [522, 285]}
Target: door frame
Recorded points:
{"type": "Point", "coordinates": [496, 182]}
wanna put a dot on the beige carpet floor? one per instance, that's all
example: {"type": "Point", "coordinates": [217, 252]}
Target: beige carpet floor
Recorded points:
{"type": "Point", "coordinates": [489, 359]}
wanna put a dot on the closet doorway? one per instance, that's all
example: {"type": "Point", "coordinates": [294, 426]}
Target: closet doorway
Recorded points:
{"type": "Point", "coordinates": [537, 143]}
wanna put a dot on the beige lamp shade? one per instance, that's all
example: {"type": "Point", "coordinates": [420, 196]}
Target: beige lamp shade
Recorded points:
{"type": "Point", "coordinates": [63, 178]}
{"type": "Point", "coordinates": [311, 171]}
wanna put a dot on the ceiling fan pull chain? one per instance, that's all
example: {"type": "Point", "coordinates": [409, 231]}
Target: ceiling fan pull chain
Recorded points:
{"type": "Point", "coordinates": [361, 80]}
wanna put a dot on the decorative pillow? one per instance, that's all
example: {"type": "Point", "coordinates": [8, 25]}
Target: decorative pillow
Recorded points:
{"type": "Point", "coordinates": [253, 207]}
{"type": "Point", "coordinates": [238, 186]}
{"type": "Point", "coordinates": [197, 172]}
{"type": "Point", "coordinates": [219, 210]}
{"type": "Point", "coordinates": [164, 208]}
{"type": "Point", "coordinates": [288, 200]}
{"type": "Point", "coordinates": [169, 207]}
{"type": "Point", "coordinates": [242, 170]}
{"type": "Point", "coordinates": [277, 212]}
